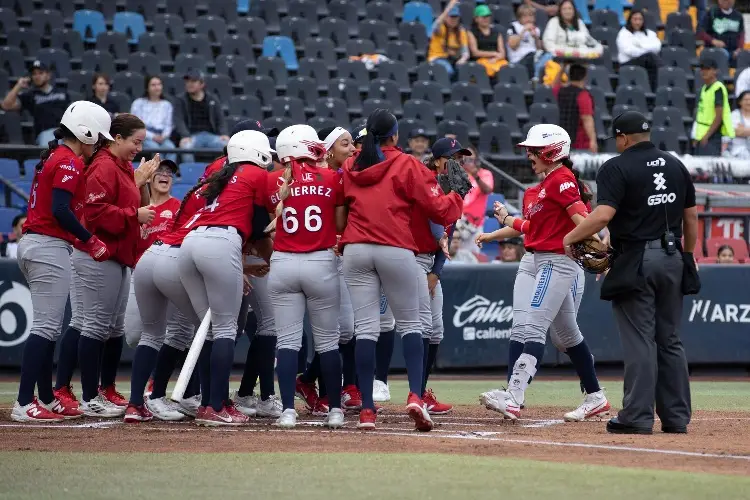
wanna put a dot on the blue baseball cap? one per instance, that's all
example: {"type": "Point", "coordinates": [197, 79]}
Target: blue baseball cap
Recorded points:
{"type": "Point", "coordinates": [454, 12]}
{"type": "Point", "coordinates": [446, 147]}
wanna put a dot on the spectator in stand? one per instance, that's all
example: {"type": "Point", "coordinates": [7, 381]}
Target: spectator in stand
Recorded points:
{"type": "Point", "coordinates": [713, 118]}
{"type": "Point", "coordinates": [739, 146]}
{"type": "Point", "coordinates": [100, 85]}
{"type": "Point", "coordinates": [639, 46]}
{"type": "Point", "coordinates": [9, 248]}
{"type": "Point", "coordinates": [525, 41]}
{"type": "Point", "coordinates": [486, 42]}
{"type": "Point", "coordinates": [157, 113]}
{"type": "Point", "coordinates": [482, 183]}
{"type": "Point", "coordinates": [459, 254]}
{"type": "Point", "coordinates": [577, 110]}
{"type": "Point", "coordinates": [198, 117]}
{"type": "Point", "coordinates": [449, 45]}
{"type": "Point", "coordinates": [548, 6]}
{"type": "Point", "coordinates": [566, 35]}
{"type": "Point", "coordinates": [700, 7]}
{"type": "Point", "coordinates": [511, 250]}
{"type": "Point", "coordinates": [725, 255]}
{"type": "Point", "coordinates": [419, 143]}
{"type": "Point", "coordinates": [45, 103]}
{"type": "Point", "coordinates": [742, 82]}
{"type": "Point", "coordinates": [723, 27]}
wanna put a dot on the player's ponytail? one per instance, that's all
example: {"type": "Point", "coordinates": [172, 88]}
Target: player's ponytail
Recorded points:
{"type": "Point", "coordinates": [218, 181]}
{"type": "Point", "coordinates": [285, 188]}
{"type": "Point", "coordinates": [381, 126]}
{"type": "Point", "coordinates": [586, 196]}
{"type": "Point", "coordinates": [60, 132]}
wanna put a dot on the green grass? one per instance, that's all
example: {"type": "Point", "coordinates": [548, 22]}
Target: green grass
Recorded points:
{"type": "Point", "coordinates": [331, 476]}
{"type": "Point", "coordinates": [707, 395]}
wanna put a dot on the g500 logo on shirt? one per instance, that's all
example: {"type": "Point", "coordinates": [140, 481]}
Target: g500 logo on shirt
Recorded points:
{"type": "Point", "coordinates": [661, 184]}
{"type": "Point", "coordinates": [16, 313]}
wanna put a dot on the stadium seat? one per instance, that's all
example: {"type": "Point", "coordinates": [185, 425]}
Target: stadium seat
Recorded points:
{"type": "Point", "coordinates": [544, 94]}
{"type": "Point", "coordinates": [671, 119]}
{"type": "Point", "coordinates": [738, 245]}
{"type": "Point", "coordinates": [262, 87]}
{"type": "Point", "coordinates": [275, 68]}
{"type": "Point", "coordinates": [130, 83]}
{"type": "Point", "coordinates": [179, 189]}
{"type": "Point", "coordinates": [45, 21]}
{"type": "Point", "coordinates": [514, 73]}
{"type": "Point", "coordinates": [652, 6]}
{"type": "Point", "coordinates": [396, 71]}
{"type": "Point", "coordinates": [675, 98]}
{"type": "Point", "coordinates": [107, 8]}
{"type": "Point", "coordinates": [582, 6]}
{"type": "Point", "coordinates": [665, 139]}
{"type": "Point", "coordinates": [195, 44]}
{"type": "Point", "coordinates": [469, 93]}
{"type": "Point", "coordinates": [383, 11]}
{"type": "Point", "coordinates": [221, 86]}
{"type": "Point", "coordinates": [235, 67]}
{"type": "Point", "coordinates": [238, 45]}
{"type": "Point", "coordinates": [600, 102]}
{"type": "Point", "coordinates": [605, 18]}
{"type": "Point", "coordinates": [454, 127]}
{"type": "Point", "coordinates": [115, 44]}
{"type": "Point", "coordinates": [359, 47]}
{"type": "Point", "coordinates": [607, 37]}
{"type": "Point", "coordinates": [677, 57]}
{"type": "Point", "coordinates": [227, 10]}
{"type": "Point", "coordinates": [431, 92]}
{"type": "Point", "coordinates": [289, 107]}
{"type": "Point", "coordinates": [720, 56]}
{"type": "Point", "coordinates": [635, 76]}
{"type": "Point", "coordinates": [214, 27]}
{"type": "Point", "coordinates": [387, 90]}
{"type": "Point", "coordinates": [403, 52]}
{"type": "Point", "coordinates": [306, 10]}
{"type": "Point", "coordinates": [495, 140]}
{"type": "Point", "coordinates": [671, 76]}
{"type": "Point", "coordinates": [144, 63]}
{"type": "Point", "coordinates": [173, 84]}
{"type": "Point", "coordinates": [355, 70]}
{"type": "Point", "coordinates": [544, 113]}
{"type": "Point", "coordinates": [432, 72]}
{"type": "Point", "coordinates": [337, 31]}
{"type": "Point", "coordinates": [188, 11]}
{"type": "Point", "coordinates": [268, 11]}
{"type": "Point", "coordinates": [15, 200]}
{"type": "Point", "coordinates": [316, 70]}
{"type": "Point", "coordinates": [631, 96]}
{"type": "Point", "coordinates": [170, 25]}
{"type": "Point", "coordinates": [371, 104]}
{"type": "Point", "coordinates": [476, 74]}
{"type": "Point", "coordinates": [130, 24]}
{"type": "Point", "coordinates": [58, 62]}
{"type": "Point", "coordinates": [332, 107]}
{"type": "Point", "coordinates": [123, 100]}
{"type": "Point", "coordinates": [619, 109]}
{"type": "Point", "coordinates": [422, 111]}
{"type": "Point", "coordinates": [26, 39]}
{"type": "Point", "coordinates": [347, 90]}
{"type": "Point", "coordinates": [10, 169]}
{"type": "Point", "coordinates": [98, 62]}
{"type": "Point", "coordinates": [295, 28]}
{"type": "Point", "coordinates": [8, 21]}
{"type": "Point", "coordinates": [419, 12]}
{"type": "Point", "coordinates": [190, 173]}
{"type": "Point", "coordinates": [11, 60]}
{"type": "Point", "coordinates": [405, 126]}
{"type": "Point", "coordinates": [321, 49]}
{"type": "Point", "coordinates": [247, 106]}
{"type": "Point", "coordinates": [682, 38]}
{"type": "Point", "coordinates": [157, 45]}
{"type": "Point", "coordinates": [678, 21]}
{"type": "Point", "coordinates": [512, 94]}
{"type": "Point", "coordinates": [612, 6]}
{"type": "Point", "coordinates": [377, 31]}
{"type": "Point", "coordinates": [146, 8]}
{"type": "Point", "coordinates": [743, 61]}
{"type": "Point", "coordinates": [89, 24]}
{"type": "Point", "coordinates": [343, 13]}
{"type": "Point", "coordinates": [501, 112]}
{"type": "Point", "coordinates": [186, 62]}
{"type": "Point", "coordinates": [253, 28]}
{"type": "Point", "coordinates": [414, 34]}
{"type": "Point", "coordinates": [319, 123]}
{"type": "Point", "coordinates": [80, 81]}
{"type": "Point", "coordinates": [68, 40]}
{"type": "Point", "coordinates": [504, 16]}
{"type": "Point", "coordinates": [304, 88]}
{"type": "Point", "coordinates": [283, 47]}
{"type": "Point", "coordinates": [7, 215]}
{"type": "Point", "coordinates": [464, 112]}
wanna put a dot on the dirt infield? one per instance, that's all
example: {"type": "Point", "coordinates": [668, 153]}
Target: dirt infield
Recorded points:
{"type": "Point", "coordinates": [717, 442]}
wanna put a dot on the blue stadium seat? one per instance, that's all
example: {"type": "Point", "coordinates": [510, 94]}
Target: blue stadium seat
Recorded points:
{"type": "Point", "coordinates": [89, 24]}
{"type": "Point", "coordinates": [9, 169]}
{"type": "Point", "coordinates": [179, 190]}
{"type": "Point", "coordinates": [17, 201]}
{"type": "Point", "coordinates": [243, 6]}
{"type": "Point", "coordinates": [6, 218]}
{"type": "Point", "coordinates": [419, 12]}
{"type": "Point", "coordinates": [283, 47]}
{"type": "Point", "coordinates": [191, 172]}
{"type": "Point", "coordinates": [130, 24]}
{"type": "Point", "coordinates": [582, 6]}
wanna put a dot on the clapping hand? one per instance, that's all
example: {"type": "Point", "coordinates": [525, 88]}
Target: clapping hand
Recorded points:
{"type": "Point", "coordinates": [146, 170]}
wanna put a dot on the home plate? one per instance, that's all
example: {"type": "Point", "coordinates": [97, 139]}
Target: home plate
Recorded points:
{"type": "Point", "coordinates": [544, 423]}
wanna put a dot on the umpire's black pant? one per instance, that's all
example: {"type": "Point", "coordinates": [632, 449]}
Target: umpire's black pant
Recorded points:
{"type": "Point", "coordinates": [655, 363]}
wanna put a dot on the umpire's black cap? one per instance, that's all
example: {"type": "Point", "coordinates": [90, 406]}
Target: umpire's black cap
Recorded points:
{"type": "Point", "coordinates": [629, 122]}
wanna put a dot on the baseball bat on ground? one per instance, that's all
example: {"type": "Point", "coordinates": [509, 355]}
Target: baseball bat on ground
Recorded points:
{"type": "Point", "coordinates": [192, 357]}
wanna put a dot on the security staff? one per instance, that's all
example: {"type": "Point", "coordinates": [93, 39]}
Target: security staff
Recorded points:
{"type": "Point", "coordinates": [647, 200]}
{"type": "Point", "coordinates": [713, 119]}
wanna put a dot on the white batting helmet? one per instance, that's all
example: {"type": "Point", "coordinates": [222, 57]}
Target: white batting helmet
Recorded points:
{"type": "Point", "coordinates": [552, 141]}
{"type": "Point", "coordinates": [86, 121]}
{"type": "Point", "coordinates": [299, 141]}
{"type": "Point", "coordinates": [249, 146]}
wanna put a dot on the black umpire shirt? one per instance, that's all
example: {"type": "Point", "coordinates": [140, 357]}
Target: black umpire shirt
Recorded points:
{"type": "Point", "coordinates": [647, 187]}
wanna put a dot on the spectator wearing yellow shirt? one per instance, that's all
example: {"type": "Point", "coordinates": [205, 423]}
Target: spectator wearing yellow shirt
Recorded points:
{"type": "Point", "coordinates": [449, 45]}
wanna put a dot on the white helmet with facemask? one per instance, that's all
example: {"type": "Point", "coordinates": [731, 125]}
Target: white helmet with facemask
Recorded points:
{"type": "Point", "coordinates": [551, 142]}
{"type": "Point", "coordinates": [297, 142]}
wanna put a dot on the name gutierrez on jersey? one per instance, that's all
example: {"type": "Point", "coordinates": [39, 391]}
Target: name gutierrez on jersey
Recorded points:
{"type": "Point", "coordinates": [305, 191]}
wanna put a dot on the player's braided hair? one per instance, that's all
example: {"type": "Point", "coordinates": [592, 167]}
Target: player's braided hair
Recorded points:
{"type": "Point", "coordinates": [586, 195]}
{"type": "Point", "coordinates": [61, 132]}
{"type": "Point", "coordinates": [285, 188]}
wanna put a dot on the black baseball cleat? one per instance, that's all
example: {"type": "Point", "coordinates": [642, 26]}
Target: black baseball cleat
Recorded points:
{"type": "Point", "coordinates": [614, 426]}
{"type": "Point", "coordinates": [674, 429]}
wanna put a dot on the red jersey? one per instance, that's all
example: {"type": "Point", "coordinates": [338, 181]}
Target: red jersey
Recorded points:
{"type": "Point", "coordinates": [381, 200]}
{"type": "Point", "coordinates": [177, 230]}
{"type": "Point", "coordinates": [161, 224]}
{"type": "Point", "coordinates": [308, 221]}
{"type": "Point", "coordinates": [548, 218]}
{"type": "Point", "coordinates": [62, 170]}
{"type": "Point", "coordinates": [234, 205]}
{"type": "Point", "coordinates": [214, 167]}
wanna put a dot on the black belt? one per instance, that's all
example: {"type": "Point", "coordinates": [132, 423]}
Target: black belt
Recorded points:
{"type": "Point", "coordinates": [159, 243]}
{"type": "Point", "coordinates": [640, 245]}
{"type": "Point", "coordinates": [529, 250]}
{"type": "Point", "coordinates": [32, 232]}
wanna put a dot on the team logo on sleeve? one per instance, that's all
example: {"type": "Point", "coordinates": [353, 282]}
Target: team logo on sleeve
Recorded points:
{"type": "Point", "coordinates": [66, 178]}
{"type": "Point", "coordinates": [95, 197]}
{"type": "Point", "coordinates": [542, 194]}
{"type": "Point", "coordinates": [566, 185]}
{"type": "Point", "coordinates": [435, 191]}
{"type": "Point", "coordinates": [166, 214]}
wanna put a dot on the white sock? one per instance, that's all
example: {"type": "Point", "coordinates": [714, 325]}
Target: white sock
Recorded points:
{"type": "Point", "coordinates": [523, 371]}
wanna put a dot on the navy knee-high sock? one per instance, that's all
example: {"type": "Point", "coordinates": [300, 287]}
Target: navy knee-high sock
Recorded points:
{"type": "Point", "coordinates": [204, 366]}
{"type": "Point", "coordinates": [266, 355]}
{"type": "Point", "coordinates": [286, 369]}
{"type": "Point", "coordinates": [144, 362]}
{"type": "Point", "coordinates": [583, 362]}
{"type": "Point", "coordinates": [250, 370]}
{"type": "Point", "coordinates": [330, 372]}
{"type": "Point", "coordinates": [222, 355]}
{"type": "Point", "coordinates": [364, 354]}
{"type": "Point", "coordinates": [414, 358]}
{"type": "Point", "coordinates": [44, 382]}
{"type": "Point", "coordinates": [313, 371]}
{"type": "Point", "coordinates": [89, 359]}
{"type": "Point", "coordinates": [111, 360]}
{"type": "Point", "coordinates": [430, 356]}
{"type": "Point", "coordinates": [535, 349]}
{"type": "Point", "coordinates": [68, 359]}
{"type": "Point", "coordinates": [384, 353]}
{"type": "Point", "coordinates": [166, 361]}
{"type": "Point", "coordinates": [348, 366]}
{"type": "Point", "coordinates": [34, 356]}
{"type": "Point", "coordinates": [515, 349]}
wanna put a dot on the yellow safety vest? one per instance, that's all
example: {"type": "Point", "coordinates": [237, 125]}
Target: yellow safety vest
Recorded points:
{"type": "Point", "coordinates": [706, 113]}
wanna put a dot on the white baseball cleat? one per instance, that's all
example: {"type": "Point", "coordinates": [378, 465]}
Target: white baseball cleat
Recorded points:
{"type": "Point", "coordinates": [269, 408]}
{"type": "Point", "coordinates": [335, 419]}
{"type": "Point", "coordinates": [164, 410]}
{"type": "Point", "coordinates": [189, 406]}
{"type": "Point", "coordinates": [594, 406]}
{"type": "Point", "coordinates": [34, 412]}
{"type": "Point", "coordinates": [247, 405]}
{"type": "Point", "coordinates": [381, 393]}
{"type": "Point", "coordinates": [101, 407]}
{"type": "Point", "coordinates": [287, 420]}
{"type": "Point", "coordinates": [501, 402]}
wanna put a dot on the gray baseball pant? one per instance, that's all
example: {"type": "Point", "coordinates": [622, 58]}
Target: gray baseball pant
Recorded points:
{"type": "Point", "coordinates": [387, 321]}
{"type": "Point", "coordinates": [430, 307]}
{"type": "Point", "coordinates": [655, 364]}
{"type": "Point", "coordinates": [45, 263]}
{"type": "Point", "coordinates": [299, 281]}
{"type": "Point", "coordinates": [76, 297]}
{"type": "Point", "coordinates": [367, 267]}
{"type": "Point", "coordinates": [210, 266]}
{"type": "Point", "coordinates": [260, 301]}
{"type": "Point", "coordinates": [346, 313]}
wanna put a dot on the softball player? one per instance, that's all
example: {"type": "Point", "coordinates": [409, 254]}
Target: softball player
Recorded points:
{"type": "Point", "coordinates": [379, 250]}
{"type": "Point", "coordinates": [556, 208]}
{"type": "Point", "coordinates": [44, 254]}
{"type": "Point", "coordinates": [308, 201]}
{"type": "Point", "coordinates": [210, 259]}
{"type": "Point", "coordinates": [113, 211]}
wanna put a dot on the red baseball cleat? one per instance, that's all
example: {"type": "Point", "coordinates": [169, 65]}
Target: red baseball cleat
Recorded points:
{"type": "Point", "coordinates": [67, 412]}
{"type": "Point", "coordinates": [435, 407]}
{"type": "Point", "coordinates": [110, 394]}
{"type": "Point", "coordinates": [321, 407]}
{"type": "Point", "coordinates": [418, 412]}
{"type": "Point", "coordinates": [134, 414]}
{"type": "Point", "coordinates": [66, 397]}
{"type": "Point", "coordinates": [307, 393]}
{"type": "Point", "coordinates": [237, 415]}
{"type": "Point", "coordinates": [351, 399]}
{"type": "Point", "coordinates": [149, 387]}
{"type": "Point", "coordinates": [213, 418]}
{"type": "Point", "coordinates": [34, 412]}
{"type": "Point", "coordinates": [366, 420]}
